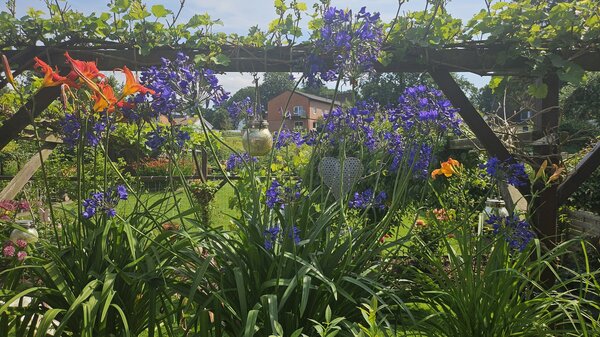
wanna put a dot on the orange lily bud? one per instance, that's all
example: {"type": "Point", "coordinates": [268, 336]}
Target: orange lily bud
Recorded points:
{"type": "Point", "coordinates": [63, 95]}
{"type": "Point", "coordinates": [9, 75]}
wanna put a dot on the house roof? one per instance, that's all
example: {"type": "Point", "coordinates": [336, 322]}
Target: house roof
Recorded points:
{"type": "Point", "coordinates": [179, 121]}
{"type": "Point", "coordinates": [315, 97]}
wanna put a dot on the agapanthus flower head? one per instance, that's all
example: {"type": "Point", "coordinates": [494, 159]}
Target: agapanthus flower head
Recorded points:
{"type": "Point", "coordinates": [237, 160]}
{"type": "Point", "coordinates": [509, 170]}
{"type": "Point", "coordinates": [422, 110]}
{"type": "Point", "coordinates": [105, 202]}
{"type": "Point", "coordinates": [271, 237]}
{"type": "Point", "coordinates": [96, 129]}
{"type": "Point", "coordinates": [355, 124]}
{"type": "Point", "coordinates": [237, 109]}
{"type": "Point", "coordinates": [287, 137]}
{"type": "Point", "coordinates": [155, 139]}
{"type": "Point", "coordinates": [162, 136]}
{"type": "Point", "coordinates": [515, 231]}
{"type": "Point", "coordinates": [179, 85]}
{"type": "Point", "coordinates": [366, 199]}
{"type": "Point", "coordinates": [274, 195]}
{"type": "Point", "coordinates": [351, 42]}
{"type": "Point", "coordinates": [276, 234]}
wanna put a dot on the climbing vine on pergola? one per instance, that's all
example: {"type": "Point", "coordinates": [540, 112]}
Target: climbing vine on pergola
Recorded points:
{"type": "Point", "coordinates": [546, 41]}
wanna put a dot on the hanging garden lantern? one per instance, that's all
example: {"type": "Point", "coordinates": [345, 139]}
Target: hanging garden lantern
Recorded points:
{"type": "Point", "coordinates": [30, 235]}
{"type": "Point", "coordinates": [257, 138]}
{"type": "Point", "coordinates": [493, 207]}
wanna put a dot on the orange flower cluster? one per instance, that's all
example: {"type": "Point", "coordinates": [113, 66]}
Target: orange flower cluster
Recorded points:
{"type": "Point", "coordinates": [87, 73]}
{"type": "Point", "coordinates": [448, 168]}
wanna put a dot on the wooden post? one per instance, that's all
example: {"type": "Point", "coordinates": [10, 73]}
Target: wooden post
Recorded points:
{"type": "Point", "coordinates": [204, 172]}
{"type": "Point", "coordinates": [202, 167]}
{"type": "Point", "coordinates": [545, 207]}
{"type": "Point", "coordinates": [22, 177]}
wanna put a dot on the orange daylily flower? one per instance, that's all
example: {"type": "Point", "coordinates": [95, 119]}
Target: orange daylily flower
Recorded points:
{"type": "Point", "coordinates": [51, 76]}
{"type": "Point", "coordinates": [448, 168]}
{"type": "Point", "coordinates": [105, 98]}
{"type": "Point", "coordinates": [132, 86]}
{"type": "Point", "coordinates": [558, 170]}
{"type": "Point", "coordinates": [84, 68]}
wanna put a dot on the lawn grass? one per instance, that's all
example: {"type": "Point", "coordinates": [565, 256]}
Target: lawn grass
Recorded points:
{"type": "Point", "coordinates": [221, 213]}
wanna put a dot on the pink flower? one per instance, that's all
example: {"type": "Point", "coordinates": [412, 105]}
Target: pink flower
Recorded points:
{"type": "Point", "coordinates": [21, 243]}
{"type": "Point", "coordinates": [8, 205]}
{"type": "Point", "coordinates": [21, 256]}
{"type": "Point", "coordinates": [8, 251]}
{"type": "Point", "coordinates": [24, 205]}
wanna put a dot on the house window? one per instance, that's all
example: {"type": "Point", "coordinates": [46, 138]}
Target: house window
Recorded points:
{"type": "Point", "coordinates": [316, 125]}
{"type": "Point", "coordinates": [299, 125]}
{"type": "Point", "coordinates": [525, 115]}
{"type": "Point", "coordinates": [299, 111]}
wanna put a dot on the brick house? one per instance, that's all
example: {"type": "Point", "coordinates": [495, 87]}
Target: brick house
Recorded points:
{"type": "Point", "coordinates": [306, 111]}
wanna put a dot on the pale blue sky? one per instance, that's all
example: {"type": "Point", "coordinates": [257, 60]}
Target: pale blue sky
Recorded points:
{"type": "Point", "coordinates": [239, 15]}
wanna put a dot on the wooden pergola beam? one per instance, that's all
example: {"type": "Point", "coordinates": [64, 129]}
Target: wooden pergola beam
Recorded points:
{"type": "Point", "coordinates": [582, 172]}
{"type": "Point", "coordinates": [479, 59]}
{"type": "Point", "coordinates": [27, 171]}
{"type": "Point", "coordinates": [11, 128]}
{"type": "Point", "coordinates": [470, 115]}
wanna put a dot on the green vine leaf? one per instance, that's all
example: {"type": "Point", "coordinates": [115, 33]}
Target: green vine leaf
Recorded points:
{"type": "Point", "coordinates": [571, 72]}
{"type": "Point", "coordinates": [160, 11]}
{"type": "Point", "coordinates": [220, 59]}
{"type": "Point", "coordinates": [538, 90]}
{"type": "Point", "coordinates": [495, 82]}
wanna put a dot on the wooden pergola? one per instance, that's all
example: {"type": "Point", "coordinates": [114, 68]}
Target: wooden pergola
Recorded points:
{"type": "Point", "coordinates": [480, 59]}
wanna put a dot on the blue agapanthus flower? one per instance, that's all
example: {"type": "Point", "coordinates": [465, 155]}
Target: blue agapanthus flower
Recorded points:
{"type": "Point", "coordinates": [509, 170]}
{"type": "Point", "coordinates": [271, 236]}
{"type": "Point", "coordinates": [105, 202]}
{"type": "Point", "coordinates": [96, 129]}
{"type": "Point", "coordinates": [516, 232]}
{"type": "Point", "coordinates": [366, 199]}
{"type": "Point", "coordinates": [274, 195]}
{"type": "Point", "coordinates": [178, 84]}
{"type": "Point", "coordinates": [237, 109]}
{"type": "Point", "coordinates": [287, 137]}
{"type": "Point", "coordinates": [237, 160]}
{"type": "Point", "coordinates": [352, 41]}
{"type": "Point", "coordinates": [276, 234]}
